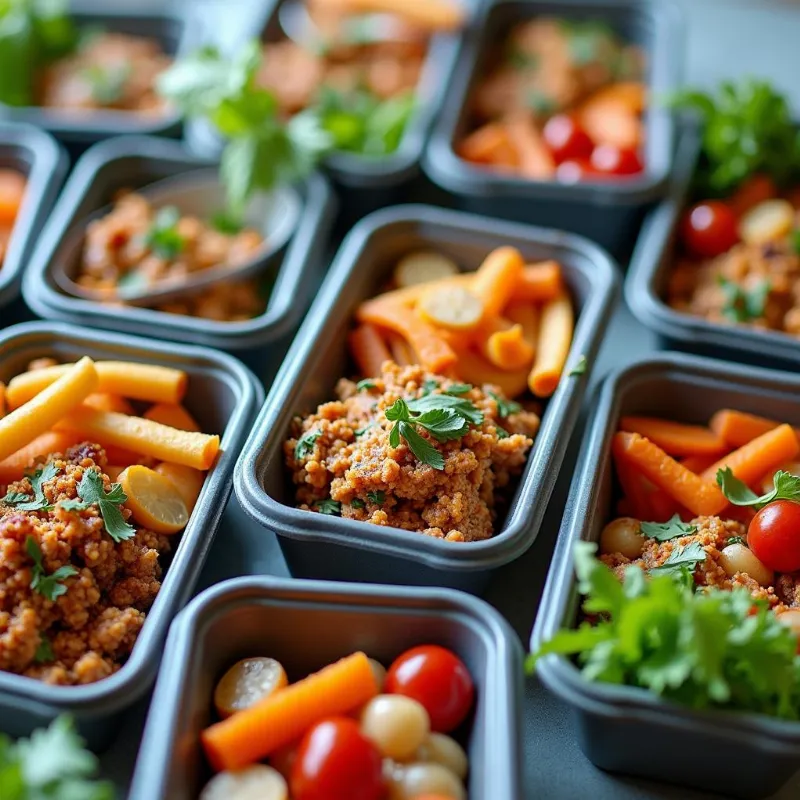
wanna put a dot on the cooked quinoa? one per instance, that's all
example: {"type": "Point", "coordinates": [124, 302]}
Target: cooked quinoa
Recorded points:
{"type": "Point", "coordinates": [93, 626]}
{"type": "Point", "coordinates": [351, 461]}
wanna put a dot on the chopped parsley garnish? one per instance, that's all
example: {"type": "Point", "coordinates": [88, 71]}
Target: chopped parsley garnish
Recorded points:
{"type": "Point", "coordinates": [330, 507]}
{"type": "Point", "coordinates": [107, 83]}
{"type": "Point", "coordinates": [429, 385]}
{"type": "Point", "coordinates": [588, 41]}
{"type": "Point", "coordinates": [365, 385]}
{"type": "Point", "coordinates": [362, 431]}
{"type": "Point", "coordinates": [682, 558]}
{"type": "Point", "coordinates": [458, 389]}
{"type": "Point", "coordinates": [664, 531]}
{"type": "Point", "coordinates": [502, 433]}
{"type": "Point", "coordinates": [22, 501]}
{"type": "Point", "coordinates": [460, 405]}
{"type": "Point", "coordinates": [539, 102]}
{"type": "Point", "coordinates": [91, 492]}
{"type": "Point", "coordinates": [305, 444]}
{"type": "Point", "coordinates": [48, 586]}
{"type": "Point", "coordinates": [786, 487]}
{"type": "Point", "coordinates": [225, 223]}
{"type": "Point", "coordinates": [740, 305]}
{"type": "Point", "coordinates": [736, 540]}
{"type": "Point", "coordinates": [505, 408]}
{"type": "Point", "coordinates": [44, 651]}
{"type": "Point", "coordinates": [580, 368]}
{"type": "Point", "coordinates": [358, 503]}
{"type": "Point", "coordinates": [521, 59]}
{"type": "Point", "coordinates": [162, 237]}
{"type": "Point", "coordinates": [378, 497]}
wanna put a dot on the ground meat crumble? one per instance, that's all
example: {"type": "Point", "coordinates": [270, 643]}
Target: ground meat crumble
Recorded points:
{"type": "Point", "coordinates": [93, 626]}
{"type": "Point", "coordinates": [352, 462]}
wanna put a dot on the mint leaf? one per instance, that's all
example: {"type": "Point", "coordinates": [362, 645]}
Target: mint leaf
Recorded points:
{"type": "Point", "coordinates": [786, 487]}
{"type": "Point", "coordinates": [91, 492]}
{"type": "Point", "coordinates": [48, 586]}
{"type": "Point", "coordinates": [664, 531]}
{"type": "Point", "coordinates": [39, 503]}
{"type": "Point", "coordinates": [331, 507]}
{"type": "Point", "coordinates": [505, 408]}
{"type": "Point", "coordinates": [305, 444]}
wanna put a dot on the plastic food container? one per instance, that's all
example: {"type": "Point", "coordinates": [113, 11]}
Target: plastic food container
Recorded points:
{"type": "Point", "coordinates": [609, 212]}
{"type": "Point", "coordinates": [135, 161]}
{"type": "Point", "coordinates": [630, 730]}
{"type": "Point", "coordinates": [176, 33]}
{"type": "Point", "coordinates": [223, 395]}
{"type": "Point", "coordinates": [367, 183]}
{"type": "Point", "coordinates": [320, 546]}
{"type": "Point", "coordinates": [306, 625]}
{"type": "Point", "coordinates": [38, 156]}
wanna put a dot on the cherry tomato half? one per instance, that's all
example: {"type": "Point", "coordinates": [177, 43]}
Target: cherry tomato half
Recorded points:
{"type": "Point", "coordinates": [335, 761]}
{"type": "Point", "coordinates": [575, 170]}
{"type": "Point", "coordinates": [608, 159]}
{"type": "Point", "coordinates": [437, 678]}
{"type": "Point", "coordinates": [709, 229]}
{"type": "Point", "coordinates": [566, 139]}
{"type": "Point", "coordinates": [774, 536]}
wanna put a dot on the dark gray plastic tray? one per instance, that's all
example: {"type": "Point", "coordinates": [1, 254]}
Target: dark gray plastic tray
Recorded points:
{"type": "Point", "coordinates": [629, 730]}
{"type": "Point", "coordinates": [369, 183]}
{"type": "Point", "coordinates": [652, 261]}
{"type": "Point", "coordinates": [223, 395]}
{"type": "Point", "coordinates": [176, 32]}
{"type": "Point", "coordinates": [135, 161]}
{"type": "Point", "coordinates": [39, 157]}
{"type": "Point", "coordinates": [306, 625]}
{"type": "Point", "coordinates": [607, 212]}
{"type": "Point", "coordinates": [320, 546]}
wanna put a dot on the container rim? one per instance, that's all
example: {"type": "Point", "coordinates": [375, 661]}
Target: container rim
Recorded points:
{"type": "Point", "coordinates": [519, 532]}
{"type": "Point", "coordinates": [446, 168]}
{"type": "Point", "coordinates": [557, 672]}
{"type": "Point", "coordinates": [134, 677]}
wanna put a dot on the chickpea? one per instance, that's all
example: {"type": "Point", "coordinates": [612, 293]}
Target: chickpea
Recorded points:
{"type": "Point", "coordinates": [739, 558]}
{"type": "Point", "coordinates": [441, 749]}
{"type": "Point", "coordinates": [623, 535]}
{"type": "Point", "coordinates": [257, 781]}
{"type": "Point", "coordinates": [408, 783]}
{"type": "Point", "coordinates": [397, 725]}
{"type": "Point", "coordinates": [791, 619]}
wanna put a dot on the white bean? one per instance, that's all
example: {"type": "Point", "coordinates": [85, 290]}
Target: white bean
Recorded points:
{"type": "Point", "coordinates": [623, 535]}
{"type": "Point", "coordinates": [397, 725]}
{"type": "Point", "coordinates": [444, 750]}
{"type": "Point", "coordinates": [258, 782]}
{"type": "Point", "coordinates": [738, 558]}
{"type": "Point", "coordinates": [413, 780]}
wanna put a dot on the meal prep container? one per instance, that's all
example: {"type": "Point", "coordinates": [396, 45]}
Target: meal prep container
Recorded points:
{"type": "Point", "coordinates": [366, 183]}
{"type": "Point", "coordinates": [306, 625]}
{"type": "Point", "coordinates": [223, 396]}
{"type": "Point", "coordinates": [607, 212]}
{"type": "Point", "coordinates": [137, 161]}
{"type": "Point", "coordinates": [38, 156]}
{"type": "Point", "coordinates": [320, 546]}
{"type": "Point", "coordinates": [651, 264]}
{"type": "Point", "coordinates": [630, 730]}
{"type": "Point", "coordinates": [177, 33]}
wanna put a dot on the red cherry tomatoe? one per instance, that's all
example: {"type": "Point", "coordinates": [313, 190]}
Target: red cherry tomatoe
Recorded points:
{"type": "Point", "coordinates": [608, 159]}
{"type": "Point", "coordinates": [566, 139]}
{"type": "Point", "coordinates": [774, 536]}
{"type": "Point", "coordinates": [709, 229]}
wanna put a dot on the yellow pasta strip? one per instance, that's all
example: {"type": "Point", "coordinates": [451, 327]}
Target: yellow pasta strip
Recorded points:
{"type": "Point", "coordinates": [555, 340]}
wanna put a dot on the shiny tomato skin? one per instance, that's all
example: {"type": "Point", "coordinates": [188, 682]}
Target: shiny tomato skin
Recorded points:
{"type": "Point", "coordinates": [709, 229]}
{"type": "Point", "coordinates": [608, 159]}
{"type": "Point", "coordinates": [774, 536]}
{"type": "Point", "coordinates": [335, 761]}
{"type": "Point", "coordinates": [566, 139]}
{"type": "Point", "coordinates": [575, 170]}
{"type": "Point", "coordinates": [438, 679]}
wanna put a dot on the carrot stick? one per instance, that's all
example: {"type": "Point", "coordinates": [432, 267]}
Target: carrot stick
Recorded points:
{"type": "Point", "coordinates": [13, 467]}
{"type": "Point", "coordinates": [433, 352]}
{"type": "Point", "coordinates": [106, 401]}
{"type": "Point", "coordinates": [368, 349]}
{"type": "Point", "coordinates": [475, 369]}
{"type": "Point", "coordinates": [489, 144]}
{"type": "Point", "coordinates": [527, 315]}
{"type": "Point", "coordinates": [699, 495]}
{"type": "Point", "coordinates": [540, 282]}
{"type": "Point", "coordinates": [634, 491]}
{"type": "Point", "coordinates": [739, 427]}
{"type": "Point", "coordinates": [126, 378]}
{"type": "Point", "coordinates": [170, 414]}
{"type": "Point", "coordinates": [535, 159]}
{"type": "Point", "coordinates": [555, 340]}
{"type": "Point", "coordinates": [675, 438]}
{"type": "Point", "coordinates": [402, 353]}
{"type": "Point", "coordinates": [752, 461]}
{"type": "Point", "coordinates": [285, 715]}
{"type": "Point", "coordinates": [143, 436]}
{"type": "Point", "coordinates": [662, 505]}
{"type": "Point", "coordinates": [188, 481]}
{"type": "Point", "coordinates": [41, 413]}
{"type": "Point", "coordinates": [509, 350]}
{"type": "Point", "coordinates": [698, 464]}
{"type": "Point", "coordinates": [12, 193]}
{"type": "Point", "coordinates": [496, 278]}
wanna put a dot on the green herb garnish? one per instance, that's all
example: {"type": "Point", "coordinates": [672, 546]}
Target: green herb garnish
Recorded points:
{"type": "Point", "coordinates": [589, 41]}
{"type": "Point", "coordinates": [226, 224]}
{"type": "Point", "coordinates": [682, 558]}
{"type": "Point", "coordinates": [502, 433]}
{"type": "Point", "coordinates": [740, 305]}
{"type": "Point", "coordinates": [305, 444]}
{"type": "Point", "coordinates": [505, 408]}
{"type": "Point", "coordinates": [22, 501]}
{"type": "Point", "coordinates": [787, 487]}
{"type": "Point", "coordinates": [48, 586]}
{"type": "Point", "coordinates": [458, 389]}
{"type": "Point", "coordinates": [521, 59]}
{"type": "Point", "coordinates": [580, 368]}
{"type": "Point", "coordinates": [162, 237]}
{"type": "Point", "coordinates": [795, 240]}
{"type": "Point", "coordinates": [463, 407]}
{"type": "Point", "coordinates": [44, 651]}
{"type": "Point", "coordinates": [378, 497]}
{"type": "Point", "coordinates": [330, 507]}
{"type": "Point", "coordinates": [52, 763]}
{"type": "Point", "coordinates": [358, 503]}
{"type": "Point", "coordinates": [91, 492]}
{"type": "Point", "coordinates": [365, 385]}
{"type": "Point", "coordinates": [736, 540]}
{"type": "Point", "coordinates": [539, 102]}
{"type": "Point", "coordinates": [107, 83]}
{"type": "Point", "coordinates": [664, 531]}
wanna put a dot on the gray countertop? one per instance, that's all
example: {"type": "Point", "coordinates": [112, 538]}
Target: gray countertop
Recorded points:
{"type": "Point", "coordinates": [725, 39]}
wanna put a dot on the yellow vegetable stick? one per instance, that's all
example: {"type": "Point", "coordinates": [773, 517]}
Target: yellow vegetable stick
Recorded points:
{"type": "Point", "coordinates": [434, 15]}
{"type": "Point", "coordinates": [555, 340]}
{"type": "Point", "coordinates": [125, 378]}
{"type": "Point", "coordinates": [473, 368]}
{"type": "Point", "coordinates": [143, 436]}
{"type": "Point", "coordinates": [59, 399]}
{"type": "Point", "coordinates": [509, 350]}
{"type": "Point", "coordinates": [496, 279]}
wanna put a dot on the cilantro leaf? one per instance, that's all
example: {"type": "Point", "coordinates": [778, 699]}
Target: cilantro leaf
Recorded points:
{"type": "Point", "coordinates": [331, 507]}
{"type": "Point", "coordinates": [91, 492]}
{"type": "Point", "coordinates": [505, 408]}
{"type": "Point", "coordinates": [682, 557]}
{"type": "Point", "coordinates": [428, 386]}
{"type": "Point", "coordinates": [786, 487]}
{"type": "Point", "coordinates": [48, 586]}
{"type": "Point", "coordinates": [422, 449]}
{"type": "Point", "coordinates": [460, 405]}
{"type": "Point", "coordinates": [162, 237]}
{"type": "Point", "coordinates": [580, 368]}
{"type": "Point", "coordinates": [443, 424]}
{"type": "Point", "coordinates": [378, 497]}
{"type": "Point", "coordinates": [664, 531]}
{"type": "Point", "coordinates": [305, 444]}
{"type": "Point", "coordinates": [39, 503]}
{"type": "Point", "coordinates": [365, 385]}
{"type": "Point", "coordinates": [44, 651]}
{"type": "Point", "coordinates": [740, 305]}
{"type": "Point", "coordinates": [457, 389]}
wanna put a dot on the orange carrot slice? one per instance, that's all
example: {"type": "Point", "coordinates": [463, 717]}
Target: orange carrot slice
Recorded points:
{"type": "Point", "coordinates": [172, 414]}
{"type": "Point", "coordinates": [497, 277]}
{"type": "Point", "coordinates": [738, 427]}
{"type": "Point", "coordinates": [368, 349]}
{"type": "Point", "coordinates": [675, 438]}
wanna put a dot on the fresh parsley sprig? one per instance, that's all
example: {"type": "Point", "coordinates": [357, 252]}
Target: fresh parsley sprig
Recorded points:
{"type": "Point", "coordinates": [505, 408]}
{"type": "Point", "coordinates": [22, 502]}
{"type": "Point", "coordinates": [673, 528]}
{"type": "Point", "coordinates": [786, 487]}
{"type": "Point", "coordinates": [48, 586]}
{"type": "Point", "coordinates": [44, 650]}
{"type": "Point", "coordinates": [378, 497]}
{"type": "Point", "coordinates": [330, 507]}
{"type": "Point", "coordinates": [305, 444]}
{"type": "Point", "coordinates": [743, 305]}
{"type": "Point", "coordinates": [163, 237]}
{"type": "Point", "coordinates": [91, 492]}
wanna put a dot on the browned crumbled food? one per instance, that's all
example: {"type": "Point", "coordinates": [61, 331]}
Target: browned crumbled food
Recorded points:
{"type": "Point", "coordinates": [86, 633]}
{"type": "Point", "coordinates": [119, 248]}
{"type": "Point", "coordinates": [110, 70]}
{"type": "Point", "coordinates": [714, 534]}
{"type": "Point", "coordinates": [352, 462]}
